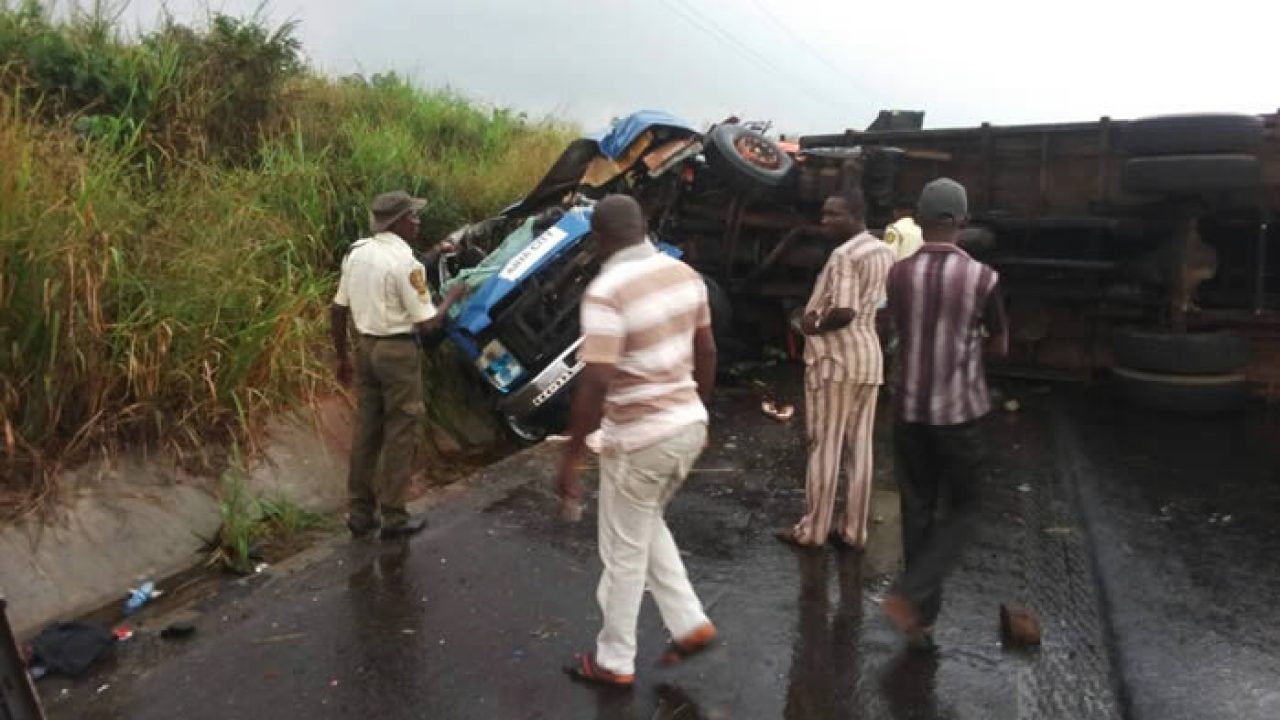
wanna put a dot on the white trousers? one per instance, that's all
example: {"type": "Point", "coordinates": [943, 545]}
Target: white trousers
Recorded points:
{"type": "Point", "coordinates": [637, 548]}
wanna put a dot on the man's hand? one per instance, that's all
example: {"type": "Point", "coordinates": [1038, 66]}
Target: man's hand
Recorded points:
{"type": "Point", "coordinates": [344, 371]}
{"type": "Point", "coordinates": [447, 247]}
{"type": "Point", "coordinates": [567, 485]}
{"type": "Point", "coordinates": [339, 317]}
{"type": "Point", "coordinates": [809, 325]}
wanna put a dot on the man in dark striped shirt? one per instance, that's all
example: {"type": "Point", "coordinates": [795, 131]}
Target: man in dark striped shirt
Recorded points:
{"type": "Point", "coordinates": [940, 301]}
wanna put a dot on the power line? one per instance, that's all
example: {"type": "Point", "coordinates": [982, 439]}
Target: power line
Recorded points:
{"type": "Point", "coordinates": [706, 25]}
{"type": "Point", "coordinates": [728, 37]}
{"type": "Point", "coordinates": [803, 42]}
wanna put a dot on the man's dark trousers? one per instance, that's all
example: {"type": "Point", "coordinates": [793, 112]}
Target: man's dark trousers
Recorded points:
{"type": "Point", "coordinates": [927, 458]}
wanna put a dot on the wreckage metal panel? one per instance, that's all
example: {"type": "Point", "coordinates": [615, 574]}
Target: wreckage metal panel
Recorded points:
{"type": "Point", "coordinates": [552, 243]}
{"type": "Point", "coordinates": [618, 138]}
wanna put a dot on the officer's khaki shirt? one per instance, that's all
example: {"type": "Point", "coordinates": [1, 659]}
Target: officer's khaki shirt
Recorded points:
{"type": "Point", "coordinates": [905, 237]}
{"type": "Point", "coordinates": [385, 286]}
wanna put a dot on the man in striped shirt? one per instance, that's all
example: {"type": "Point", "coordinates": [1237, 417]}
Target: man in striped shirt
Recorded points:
{"type": "Point", "coordinates": [940, 300]}
{"type": "Point", "coordinates": [844, 369]}
{"type": "Point", "coordinates": [650, 367]}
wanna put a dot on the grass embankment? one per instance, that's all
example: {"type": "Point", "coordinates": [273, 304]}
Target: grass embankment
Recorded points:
{"type": "Point", "coordinates": [173, 208]}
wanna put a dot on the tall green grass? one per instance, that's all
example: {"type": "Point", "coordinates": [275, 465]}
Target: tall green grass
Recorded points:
{"type": "Point", "coordinates": [172, 211]}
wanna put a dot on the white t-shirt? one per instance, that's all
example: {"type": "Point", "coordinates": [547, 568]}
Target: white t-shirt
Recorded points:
{"type": "Point", "coordinates": [385, 286]}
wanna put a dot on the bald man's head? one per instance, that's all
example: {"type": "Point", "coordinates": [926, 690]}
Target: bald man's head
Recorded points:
{"type": "Point", "coordinates": [617, 223]}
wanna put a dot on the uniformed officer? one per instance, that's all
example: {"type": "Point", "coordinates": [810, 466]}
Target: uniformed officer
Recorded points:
{"type": "Point", "coordinates": [383, 289]}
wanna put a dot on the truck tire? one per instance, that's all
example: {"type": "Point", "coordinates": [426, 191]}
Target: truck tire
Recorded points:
{"type": "Point", "coordinates": [525, 431]}
{"type": "Point", "coordinates": [1191, 174]}
{"type": "Point", "coordinates": [1194, 394]}
{"type": "Point", "coordinates": [1193, 134]}
{"type": "Point", "coordinates": [746, 158]}
{"type": "Point", "coordinates": [1212, 353]}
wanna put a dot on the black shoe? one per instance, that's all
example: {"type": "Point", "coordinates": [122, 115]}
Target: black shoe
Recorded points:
{"type": "Point", "coordinates": [922, 641]}
{"type": "Point", "coordinates": [361, 529]}
{"type": "Point", "coordinates": [836, 539]}
{"type": "Point", "coordinates": [414, 525]}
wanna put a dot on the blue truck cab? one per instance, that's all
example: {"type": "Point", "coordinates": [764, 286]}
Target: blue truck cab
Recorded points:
{"type": "Point", "coordinates": [518, 324]}
{"type": "Point", "coordinates": [520, 329]}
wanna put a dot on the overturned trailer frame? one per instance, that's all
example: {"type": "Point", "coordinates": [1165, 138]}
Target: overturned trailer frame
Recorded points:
{"type": "Point", "coordinates": [1148, 246]}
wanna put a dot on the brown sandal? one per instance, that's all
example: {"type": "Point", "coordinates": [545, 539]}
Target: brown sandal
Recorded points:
{"type": "Point", "coordinates": [585, 668]}
{"type": "Point", "coordinates": [688, 646]}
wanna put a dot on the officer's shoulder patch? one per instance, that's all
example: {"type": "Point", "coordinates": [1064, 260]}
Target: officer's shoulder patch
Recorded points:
{"type": "Point", "coordinates": [418, 279]}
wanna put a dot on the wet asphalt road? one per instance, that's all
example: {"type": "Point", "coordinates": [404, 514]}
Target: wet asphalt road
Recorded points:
{"type": "Point", "coordinates": [474, 618]}
{"type": "Point", "coordinates": [1185, 517]}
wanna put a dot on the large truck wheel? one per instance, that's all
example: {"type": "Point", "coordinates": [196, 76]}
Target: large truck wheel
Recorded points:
{"type": "Point", "coordinates": [1193, 175]}
{"type": "Point", "coordinates": [1207, 353]}
{"type": "Point", "coordinates": [746, 158]}
{"type": "Point", "coordinates": [525, 431]}
{"type": "Point", "coordinates": [1192, 394]}
{"type": "Point", "coordinates": [1193, 134]}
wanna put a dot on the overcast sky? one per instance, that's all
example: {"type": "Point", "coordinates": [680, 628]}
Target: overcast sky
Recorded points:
{"type": "Point", "coordinates": [808, 65]}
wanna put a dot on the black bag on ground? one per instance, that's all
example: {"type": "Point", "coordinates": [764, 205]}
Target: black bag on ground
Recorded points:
{"type": "Point", "coordinates": [71, 648]}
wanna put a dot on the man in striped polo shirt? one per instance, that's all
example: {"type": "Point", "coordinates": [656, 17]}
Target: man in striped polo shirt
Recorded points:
{"type": "Point", "coordinates": [844, 369]}
{"type": "Point", "coordinates": [940, 300]}
{"type": "Point", "coordinates": [650, 367]}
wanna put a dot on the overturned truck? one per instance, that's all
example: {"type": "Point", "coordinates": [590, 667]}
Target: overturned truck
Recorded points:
{"type": "Point", "coordinates": [1138, 247]}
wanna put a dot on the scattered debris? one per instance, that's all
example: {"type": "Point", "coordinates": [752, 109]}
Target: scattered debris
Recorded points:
{"type": "Point", "coordinates": [139, 596]}
{"type": "Point", "coordinates": [1012, 406]}
{"type": "Point", "coordinates": [1019, 627]}
{"type": "Point", "coordinates": [1024, 488]}
{"type": "Point", "coordinates": [279, 638]}
{"type": "Point", "coordinates": [104, 688]}
{"type": "Point", "coordinates": [122, 633]}
{"type": "Point", "coordinates": [543, 632]}
{"type": "Point", "coordinates": [333, 682]}
{"type": "Point", "coordinates": [260, 567]}
{"type": "Point", "coordinates": [408, 631]}
{"type": "Point", "coordinates": [781, 413]}
{"type": "Point", "coordinates": [178, 631]}
{"type": "Point", "coordinates": [1060, 530]}
{"type": "Point", "coordinates": [775, 353]}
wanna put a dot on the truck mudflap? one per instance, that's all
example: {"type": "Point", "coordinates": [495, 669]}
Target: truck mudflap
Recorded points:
{"type": "Point", "coordinates": [553, 381]}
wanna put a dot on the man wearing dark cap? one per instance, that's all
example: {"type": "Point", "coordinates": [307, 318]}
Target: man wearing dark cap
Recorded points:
{"type": "Point", "coordinates": [650, 367]}
{"type": "Point", "coordinates": [383, 292]}
{"type": "Point", "coordinates": [940, 302]}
